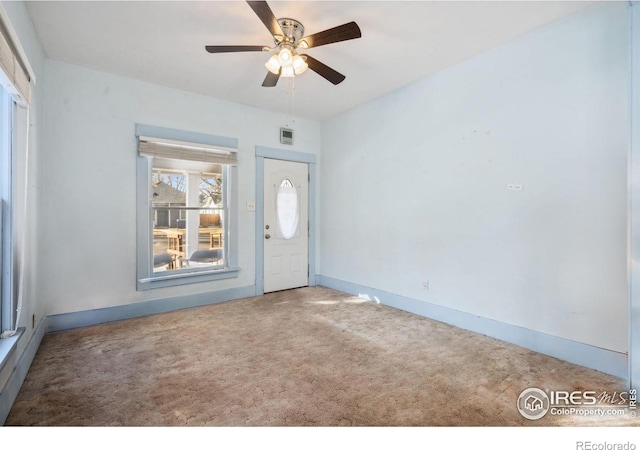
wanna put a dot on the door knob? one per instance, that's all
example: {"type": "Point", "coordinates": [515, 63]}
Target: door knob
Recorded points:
{"type": "Point", "coordinates": [267, 236]}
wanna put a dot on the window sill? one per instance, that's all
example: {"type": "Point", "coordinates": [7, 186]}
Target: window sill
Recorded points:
{"type": "Point", "coordinates": [179, 279]}
{"type": "Point", "coordinates": [8, 345]}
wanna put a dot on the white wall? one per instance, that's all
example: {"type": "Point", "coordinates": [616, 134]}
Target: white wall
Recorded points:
{"type": "Point", "coordinates": [88, 234]}
{"type": "Point", "coordinates": [413, 184]}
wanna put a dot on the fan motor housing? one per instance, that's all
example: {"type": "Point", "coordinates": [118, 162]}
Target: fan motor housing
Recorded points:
{"type": "Point", "coordinates": [292, 29]}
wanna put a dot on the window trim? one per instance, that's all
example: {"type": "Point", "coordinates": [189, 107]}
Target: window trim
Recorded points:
{"type": "Point", "coordinates": [146, 278]}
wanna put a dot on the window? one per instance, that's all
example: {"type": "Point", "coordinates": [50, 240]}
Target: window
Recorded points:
{"type": "Point", "coordinates": [186, 208]}
{"type": "Point", "coordinates": [16, 77]}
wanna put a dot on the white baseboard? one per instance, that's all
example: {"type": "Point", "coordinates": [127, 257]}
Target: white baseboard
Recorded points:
{"type": "Point", "coordinates": [607, 361]}
{"type": "Point", "coordinates": [66, 321]}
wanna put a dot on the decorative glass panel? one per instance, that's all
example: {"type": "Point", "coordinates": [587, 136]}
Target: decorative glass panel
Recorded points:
{"type": "Point", "coordinates": [287, 209]}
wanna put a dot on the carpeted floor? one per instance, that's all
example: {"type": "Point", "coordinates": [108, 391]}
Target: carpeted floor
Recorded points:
{"type": "Point", "coordinates": [305, 357]}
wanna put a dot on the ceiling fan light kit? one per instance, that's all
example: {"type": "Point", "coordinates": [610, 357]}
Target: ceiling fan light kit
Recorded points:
{"type": "Point", "coordinates": [288, 37]}
{"type": "Point", "coordinates": [288, 60]}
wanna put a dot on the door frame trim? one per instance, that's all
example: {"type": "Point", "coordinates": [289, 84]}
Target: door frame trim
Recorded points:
{"type": "Point", "coordinates": [263, 153]}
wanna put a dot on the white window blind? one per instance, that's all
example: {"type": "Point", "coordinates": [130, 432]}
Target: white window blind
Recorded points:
{"type": "Point", "coordinates": [189, 151]}
{"type": "Point", "coordinates": [16, 71]}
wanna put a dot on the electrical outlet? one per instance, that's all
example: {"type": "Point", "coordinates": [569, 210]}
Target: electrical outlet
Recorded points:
{"type": "Point", "coordinates": [425, 284]}
{"type": "Point", "coordinates": [251, 206]}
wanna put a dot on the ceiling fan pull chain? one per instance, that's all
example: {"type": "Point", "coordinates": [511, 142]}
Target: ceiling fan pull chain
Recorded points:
{"type": "Point", "coordinates": [293, 100]}
{"type": "Point", "coordinates": [289, 98]}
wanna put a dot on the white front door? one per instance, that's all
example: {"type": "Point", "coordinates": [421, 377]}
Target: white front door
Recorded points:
{"type": "Point", "coordinates": [286, 225]}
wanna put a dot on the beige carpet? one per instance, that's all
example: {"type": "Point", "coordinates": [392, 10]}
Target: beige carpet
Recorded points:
{"type": "Point", "coordinates": [305, 357]}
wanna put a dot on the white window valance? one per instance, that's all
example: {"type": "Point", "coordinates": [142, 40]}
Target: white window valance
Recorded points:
{"type": "Point", "coordinates": [187, 151]}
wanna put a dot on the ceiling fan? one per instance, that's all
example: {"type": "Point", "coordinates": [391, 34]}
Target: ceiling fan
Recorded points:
{"type": "Point", "coordinates": [288, 36]}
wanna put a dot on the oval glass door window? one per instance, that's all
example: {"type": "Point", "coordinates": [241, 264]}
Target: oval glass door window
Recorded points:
{"type": "Point", "coordinates": [287, 211]}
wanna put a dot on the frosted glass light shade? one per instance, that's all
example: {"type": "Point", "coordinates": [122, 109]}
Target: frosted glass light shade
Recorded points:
{"type": "Point", "coordinates": [273, 65]}
{"type": "Point", "coordinates": [299, 64]}
{"type": "Point", "coordinates": [287, 72]}
{"type": "Point", "coordinates": [285, 57]}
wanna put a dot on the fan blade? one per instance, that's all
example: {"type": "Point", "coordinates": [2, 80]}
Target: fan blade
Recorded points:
{"type": "Point", "coordinates": [234, 48]}
{"type": "Point", "coordinates": [324, 70]}
{"type": "Point", "coordinates": [340, 33]}
{"type": "Point", "coordinates": [271, 79]}
{"type": "Point", "coordinates": [265, 14]}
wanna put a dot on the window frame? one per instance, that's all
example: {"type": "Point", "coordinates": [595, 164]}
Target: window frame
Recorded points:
{"type": "Point", "coordinates": [146, 278]}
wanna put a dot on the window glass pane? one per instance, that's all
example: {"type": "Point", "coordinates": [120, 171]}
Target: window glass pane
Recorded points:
{"type": "Point", "coordinates": [287, 210]}
{"type": "Point", "coordinates": [211, 191]}
{"type": "Point", "coordinates": [6, 233]}
{"type": "Point", "coordinates": [188, 220]}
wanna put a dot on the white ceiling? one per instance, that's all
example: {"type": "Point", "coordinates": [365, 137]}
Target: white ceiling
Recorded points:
{"type": "Point", "coordinates": [163, 43]}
